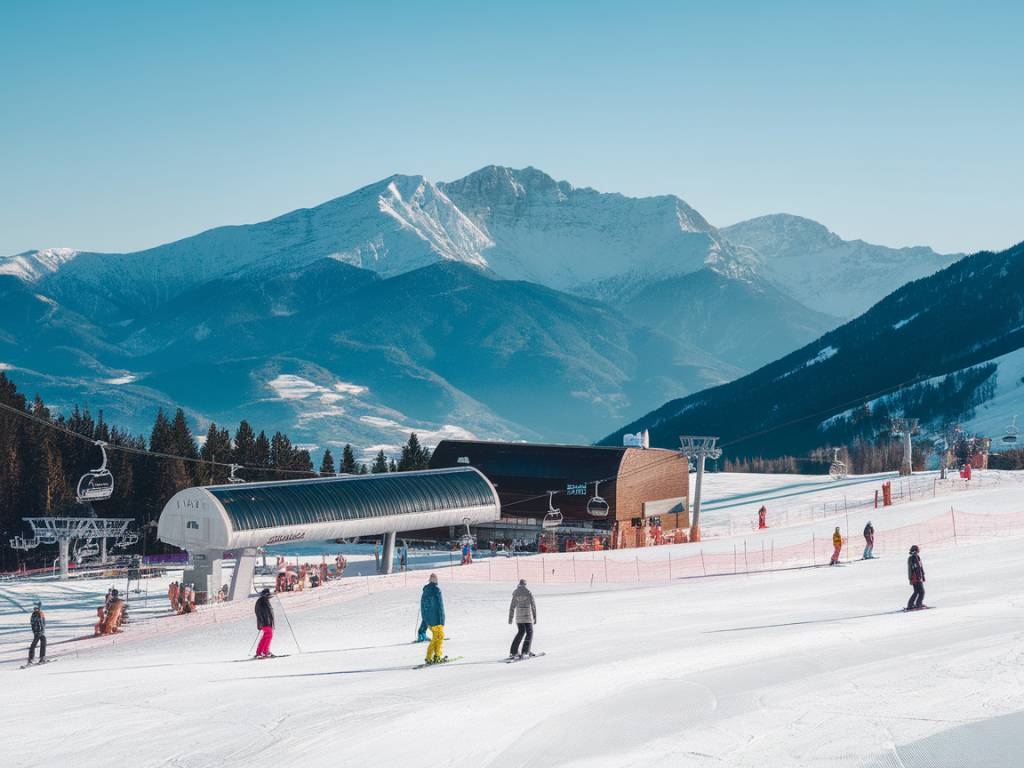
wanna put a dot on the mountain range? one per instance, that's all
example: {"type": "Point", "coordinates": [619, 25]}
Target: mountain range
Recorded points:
{"type": "Point", "coordinates": [944, 349]}
{"type": "Point", "coordinates": [504, 304]}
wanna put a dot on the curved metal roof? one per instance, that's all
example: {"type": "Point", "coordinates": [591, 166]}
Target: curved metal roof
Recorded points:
{"type": "Point", "coordinates": [325, 500]}
{"type": "Point", "coordinates": [325, 508]}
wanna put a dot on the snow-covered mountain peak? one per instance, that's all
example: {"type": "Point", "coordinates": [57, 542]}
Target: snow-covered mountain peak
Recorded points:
{"type": "Point", "coordinates": [31, 266]}
{"type": "Point", "coordinates": [820, 269]}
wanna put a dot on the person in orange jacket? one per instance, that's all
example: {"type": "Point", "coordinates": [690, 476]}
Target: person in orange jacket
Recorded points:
{"type": "Point", "coordinates": [837, 542]}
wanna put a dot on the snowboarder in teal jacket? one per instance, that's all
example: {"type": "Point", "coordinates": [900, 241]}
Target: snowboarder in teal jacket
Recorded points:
{"type": "Point", "coordinates": [432, 611]}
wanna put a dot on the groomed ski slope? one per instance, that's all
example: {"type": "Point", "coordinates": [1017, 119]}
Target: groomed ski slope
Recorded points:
{"type": "Point", "coordinates": [803, 667]}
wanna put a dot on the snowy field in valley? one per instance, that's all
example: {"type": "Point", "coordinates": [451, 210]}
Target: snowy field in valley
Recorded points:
{"type": "Point", "coordinates": [809, 666]}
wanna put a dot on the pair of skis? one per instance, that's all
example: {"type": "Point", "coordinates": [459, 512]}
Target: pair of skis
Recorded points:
{"type": "Point", "coordinates": [454, 659]}
{"type": "Point", "coordinates": [37, 663]}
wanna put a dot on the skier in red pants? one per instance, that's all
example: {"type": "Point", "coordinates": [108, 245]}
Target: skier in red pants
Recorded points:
{"type": "Point", "coordinates": [837, 542]}
{"type": "Point", "coordinates": [264, 623]}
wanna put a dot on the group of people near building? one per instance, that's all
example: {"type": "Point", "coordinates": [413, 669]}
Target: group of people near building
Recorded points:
{"type": "Point", "coordinates": [182, 597]}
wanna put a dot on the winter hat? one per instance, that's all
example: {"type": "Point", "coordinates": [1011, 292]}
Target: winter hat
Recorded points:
{"type": "Point", "coordinates": [433, 578]}
{"type": "Point", "coordinates": [522, 582]}
{"type": "Point", "coordinates": [914, 550]}
{"type": "Point", "coordinates": [113, 592]}
{"type": "Point", "coordinates": [265, 591]}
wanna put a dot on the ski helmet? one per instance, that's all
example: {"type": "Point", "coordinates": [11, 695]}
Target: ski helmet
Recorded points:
{"type": "Point", "coordinates": [433, 578]}
{"type": "Point", "coordinates": [265, 592]}
{"type": "Point", "coordinates": [914, 550]}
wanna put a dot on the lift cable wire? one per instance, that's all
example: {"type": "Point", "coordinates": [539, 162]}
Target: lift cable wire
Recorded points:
{"type": "Point", "coordinates": [144, 451]}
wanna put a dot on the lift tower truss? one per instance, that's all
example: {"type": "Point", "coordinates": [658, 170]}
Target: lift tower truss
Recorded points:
{"type": "Point", "coordinates": [63, 530]}
{"type": "Point", "coordinates": [697, 448]}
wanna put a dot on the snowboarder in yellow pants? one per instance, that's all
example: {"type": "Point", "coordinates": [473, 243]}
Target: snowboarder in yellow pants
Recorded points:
{"type": "Point", "coordinates": [432, 611]}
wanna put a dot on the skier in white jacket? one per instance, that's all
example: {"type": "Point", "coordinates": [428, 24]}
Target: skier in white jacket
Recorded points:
{"type": "Point", "coordinates": [524, 611]}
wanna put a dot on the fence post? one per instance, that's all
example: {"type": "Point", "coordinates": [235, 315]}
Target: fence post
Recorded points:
{"type": "Point", "coordinates": [702, 566]}
{"type": "Point", "coordinates": [734, 558]}
{"type": "Point", "coordinates": [746, 565]}
{"type": "Point", "coordinates": [814, 548]}
{"type": "Point", "coordinates": [574, 569]}
{"type": "Point", "coordinates": [517, 563]}
{"type": "Point", "coordinates": [952, 515]}
{"type": "Point", "coordinates": [606, 569]}
{"type": "Point", "coordinates": [543, 570]}
{"type": "Point", "coordinates": [670, 566]}
{"type": "Point", "coordinates": [489, 576]}
{"type": "Point", "coordinates": [637, 558]}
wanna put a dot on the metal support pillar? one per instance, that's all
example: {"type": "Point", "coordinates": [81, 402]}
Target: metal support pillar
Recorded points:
{"type": "Point", "coordinates": [242, 578]}
{"type": "Point", "coordinates": [698, 448]}
{"type": "Point", "coordinates": [103, 550]}
{"type": "Point", "coordinates": [387, 564]}
{"type": "Point", "coordinates": [63, 544]}
{"type": "Point", "coordinates": [205, 573]}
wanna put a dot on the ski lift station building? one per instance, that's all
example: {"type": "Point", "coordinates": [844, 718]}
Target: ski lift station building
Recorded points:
{"type": "Point", "coordinates": [209, 521]}
{"type": "Point", "coordinates": [642, 488]}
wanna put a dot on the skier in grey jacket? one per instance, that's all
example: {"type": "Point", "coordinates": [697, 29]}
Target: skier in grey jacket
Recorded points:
{"type": "Point", "coordinates": [523, 610]}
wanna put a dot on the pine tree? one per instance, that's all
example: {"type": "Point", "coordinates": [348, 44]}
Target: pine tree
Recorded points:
{"type": "Point", "coordinates": [348, 461]}
{"type": "Point", "coordinates": [380, 463]}
{"type": "Point", "coordinates": [245, 445]}
{"type": "Point", "coordinates": [327, 465]}
{"type": "Point", "coordinates": [414, 456]}
{"type": "Point", "coordinates": [363, 470]}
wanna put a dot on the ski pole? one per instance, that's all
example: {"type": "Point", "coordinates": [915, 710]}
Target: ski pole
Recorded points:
{"type": "Point", "coordinates": [289, 623]}
{"type": "Point", "coordinates": [253, 646]}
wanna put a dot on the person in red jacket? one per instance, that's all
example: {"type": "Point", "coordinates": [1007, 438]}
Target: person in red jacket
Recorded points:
{"type": "Point", "coordinates": [915, 572]}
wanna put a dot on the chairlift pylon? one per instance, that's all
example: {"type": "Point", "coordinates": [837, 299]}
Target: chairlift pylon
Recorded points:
{"type": "Point", "coordinates": [1012, 432]}
{"type": "Point", "coordinates": [553, 518]}
{"type": "Point", "coordinates": [597, 506]}
{"type": "Point", "coordinates": [467, 537]}
{"type": "Point", "coordinates": [97, 484]}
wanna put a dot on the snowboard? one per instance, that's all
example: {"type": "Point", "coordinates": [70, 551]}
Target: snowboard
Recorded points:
{"type": "Point", "coordinates": [525, 658]}
{"type": "Point", "coordinates": [922, 608]}
{"type": "Point", "coordinates": [36, 663]}
{"type": "Point", "coordinates": [440, 663]}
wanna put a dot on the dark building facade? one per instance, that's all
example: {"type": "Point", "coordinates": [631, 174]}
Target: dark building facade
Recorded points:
{"type": "Point", "coordinates": [646, 490]}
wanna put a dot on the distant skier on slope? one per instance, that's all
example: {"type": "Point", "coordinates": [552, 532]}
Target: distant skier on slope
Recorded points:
{"type": "Point", "coordinates": [265, 624]}
{"type": "Point", "coordinates": [869, 540]}
{"type": "Point", "coordinates": [38, 622]}
{"type": "Point", "coordinates": [432, 610]}
{"type": "Point", "coordinates": [915, 572]}
{"type": "Point", "coordinates": [837, 542]}
{"type": "Point", "coordinates": [523, 610]}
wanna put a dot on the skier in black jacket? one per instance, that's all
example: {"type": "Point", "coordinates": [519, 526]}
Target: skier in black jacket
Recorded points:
{"type": "Point", "coordinates": [869, 541]}
{"type": "Point", "coordinates": [915, 572]}
{"type": "Point", "coordinates": [38, 622]}
{"type": "Point", "coordinates": [265, 624]}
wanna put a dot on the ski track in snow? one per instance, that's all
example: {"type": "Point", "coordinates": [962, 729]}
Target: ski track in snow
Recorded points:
{"type": "Point", "coordinates": [801, 667]}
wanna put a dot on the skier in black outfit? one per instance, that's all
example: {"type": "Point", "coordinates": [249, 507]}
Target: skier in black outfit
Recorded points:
{"type": "Point", "coordinates": [915, 572]}
{"type": "Point", "coordinates": [265, 624]}
{"type": "Point", "coordinates": [38, 622]}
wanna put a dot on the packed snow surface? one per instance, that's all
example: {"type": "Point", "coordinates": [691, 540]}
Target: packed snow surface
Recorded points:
{"type": "Point", "coordinates": [809, 666]}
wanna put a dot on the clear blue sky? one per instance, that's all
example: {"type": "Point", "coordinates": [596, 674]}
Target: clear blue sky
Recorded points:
{"type": "Point", "coordinates": [126, 125]}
